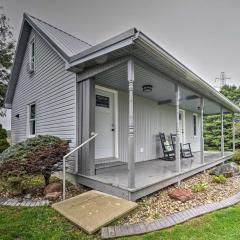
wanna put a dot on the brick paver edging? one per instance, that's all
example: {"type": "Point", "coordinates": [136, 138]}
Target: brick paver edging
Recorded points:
{"type": "Point", "coordinates": [23, 203]}
{"type": "Point", "coordinates": [168, 221]}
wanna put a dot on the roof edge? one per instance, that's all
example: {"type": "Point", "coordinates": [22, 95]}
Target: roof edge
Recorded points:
{"type": "Point", "coordinates": [195, 77]}
{"type": "Point", "coordinates": [105, 44]}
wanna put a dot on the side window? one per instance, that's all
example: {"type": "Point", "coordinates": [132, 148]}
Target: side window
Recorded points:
{"type": "Point", "coordinates": [194, 125]}
{"type": "Point", "coordinates": [32, 120]}
{"type": "Point", "coordinates": [31, 65]}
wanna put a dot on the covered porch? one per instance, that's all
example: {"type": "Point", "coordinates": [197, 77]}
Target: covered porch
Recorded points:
{"type": "Point", "coordinates": [128, 98]}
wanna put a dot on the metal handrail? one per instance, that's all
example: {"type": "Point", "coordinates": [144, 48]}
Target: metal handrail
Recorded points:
{"type": "Point", "coordinates": [67, 155]}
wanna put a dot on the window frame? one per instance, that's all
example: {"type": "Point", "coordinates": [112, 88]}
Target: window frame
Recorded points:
{"type": "Point", "coordinates": [195, 127]}
{"type": "Point", "coordinates": [30, 120]}
{"type": "Point", "coordinates": [32, 55]}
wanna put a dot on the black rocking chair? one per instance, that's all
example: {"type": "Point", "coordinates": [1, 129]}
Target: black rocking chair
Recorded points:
{"type": "Point", "coordinates": [185, 148]}
{"type": "Point", "coordinates": [168, 148]}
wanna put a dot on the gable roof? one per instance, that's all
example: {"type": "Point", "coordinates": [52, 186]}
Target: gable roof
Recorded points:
{"type": "Point", "coordinates": [75, 52]}
{"type": "Point", "coordinates": [63, 43]}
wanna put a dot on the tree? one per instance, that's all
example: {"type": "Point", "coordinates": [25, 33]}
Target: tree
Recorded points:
{"type": "Point", "coordinates": [212, 124]}
{"type": "Point", "coordinates": [7, 47]}
{"type": "Point", "coordinates": [38, 155]}
{"type": "Point", "coordinates": [3, 139]}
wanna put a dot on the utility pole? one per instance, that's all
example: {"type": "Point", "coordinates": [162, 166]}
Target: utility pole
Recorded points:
{"type": "Point", "coordinates": [221, 81]}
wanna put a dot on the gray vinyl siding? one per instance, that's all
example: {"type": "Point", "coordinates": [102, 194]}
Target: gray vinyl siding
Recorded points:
{"type": "Point", "coordinates": [150, 119]}
{"type": "Point", "coordinates": [53, 90]}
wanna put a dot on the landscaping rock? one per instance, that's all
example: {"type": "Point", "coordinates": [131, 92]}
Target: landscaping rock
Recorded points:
{"type": "Point", "coordinates": [53, 196]}
{"type": "Point", "coordinates": [53, 187]}
{"type": "Point", "coordinates": [227, 170]}
{"type": "Point", "coordinates": [179, 194]}
{"type": "Point", "coordinates": [28, 196]}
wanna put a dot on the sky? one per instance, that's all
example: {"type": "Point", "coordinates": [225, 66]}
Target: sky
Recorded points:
{"type": "Point", "coordinates": [203, 34]}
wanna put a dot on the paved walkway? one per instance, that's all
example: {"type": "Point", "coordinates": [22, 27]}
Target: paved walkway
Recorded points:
{"type": "Point", "coordinates": [23, 203]}
{"type": "Point", "coordinates": [168, 221]}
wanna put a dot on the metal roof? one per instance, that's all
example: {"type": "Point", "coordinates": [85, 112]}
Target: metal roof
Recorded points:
{"type": "Point", "coordinates": [69, 44]}
{"type": "Point", "coordinates": [63, 43]}
{"type": "Point", "coordinates": [145, 49]}
{"type": "Point", "coordinates": [132, 42]}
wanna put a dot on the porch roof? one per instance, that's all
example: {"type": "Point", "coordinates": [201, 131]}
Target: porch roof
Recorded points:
{"type": "Point", "coordinates": [137, 44]}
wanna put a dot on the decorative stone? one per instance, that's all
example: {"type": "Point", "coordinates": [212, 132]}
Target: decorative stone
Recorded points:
{"type": "Point", "coordinates": [28, 196]}
{"type": "Point", "coordinates": [179, 194]}
{"type": "Point", "coordinates": [53, 196]}
{"type": "Point", "coordinates": [53, 187]}
{"type": "Point", "coordinates": [227, 170]}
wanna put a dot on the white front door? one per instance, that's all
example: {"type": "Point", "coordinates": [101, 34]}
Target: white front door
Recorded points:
{"type": "Point", "coordinates": [182, 125]}
{"type": "Point", "coordinates": [104, 124]}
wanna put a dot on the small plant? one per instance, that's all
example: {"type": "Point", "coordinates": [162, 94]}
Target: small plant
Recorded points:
{"type": "Point", "coordinates": [156, 215]}
{"type": "Point", "coordinates": [3, 139]}
{"type": "Point", "coordinates": [236, 157]}
{"type": "Point", "coordinates": [15, 184]}
{"type": "Point", "coordinates": [219, 179]}
{"type": "Point", "coordinates": [200, 187]}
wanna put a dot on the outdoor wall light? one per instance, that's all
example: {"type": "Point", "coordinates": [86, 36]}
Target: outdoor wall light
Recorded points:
{"type": "Point", "coordinates": [147, 88]}
{"type": "Point", "coordinates": [17, 116]}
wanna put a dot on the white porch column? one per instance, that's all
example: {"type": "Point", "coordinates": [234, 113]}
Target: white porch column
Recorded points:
{"type": "Point", "coordinates": [222, 133]}
{"type": "Point", "coordinates": [177, 147]}
{"type": "Point", "coordinates": [201, 130]}
{"type": "Point", "coordinates": [233, 132]}
{"type": "Point", "coordinates": [131, 160]}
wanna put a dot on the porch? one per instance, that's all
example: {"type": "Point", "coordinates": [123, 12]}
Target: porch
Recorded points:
{"type": "Point", "coordinates": [151, 175]}
{"type": "Point", "coordinates": [127, 98]}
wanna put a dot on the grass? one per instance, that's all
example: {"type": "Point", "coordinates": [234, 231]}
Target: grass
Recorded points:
{"type": "Point", "coordinates": [44, 223]}
{"type": "Point", "coordinates": [36, 223]}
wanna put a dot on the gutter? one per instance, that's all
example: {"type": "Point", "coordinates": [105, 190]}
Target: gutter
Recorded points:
{"type": "Point", "coordinates": [186, 71]}
{"type": "Point", "coordinates": [120, 41]}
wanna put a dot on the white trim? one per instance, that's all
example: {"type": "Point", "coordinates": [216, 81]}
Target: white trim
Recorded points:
{"type": "Point", "coordinates": [115, 94]}
{"type": "Point", "coordinates": [197, 129]}
{"type": "Point", "coordinates": [32, 59]}
{"type": "Point", "coordinates": [184, 123]}
{"type": "Point", "coordinates": [28, 120]}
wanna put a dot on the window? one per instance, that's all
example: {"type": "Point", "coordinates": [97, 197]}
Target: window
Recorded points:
{"type": "Point", "coordinates": [102, 101]}
{"type": "Point", "coordinates": [32, 56]}
{"type": "Point", "coordinates": [194, 125]}
{"type": "Point", "coordinates": [32, 120]}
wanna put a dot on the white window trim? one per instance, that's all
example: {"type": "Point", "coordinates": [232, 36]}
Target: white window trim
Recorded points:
{"type": "Point", "coordinates": [32, 59]}
{"type": "Point", "coordinates": [28, 120]}
{"type": "Point", "coordinates": [195, 136]}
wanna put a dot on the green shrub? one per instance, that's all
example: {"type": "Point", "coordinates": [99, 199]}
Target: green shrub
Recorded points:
{"type": "Point", "coordinates": [3, 139]}
{"type": "Point", "coordinates": [236, 156]}
{"type": "Point", "coordinates": [38, 155]}
{"type": "Point", "coordinates": [15, 184]}
{"type": "Point", "coordinates": [200, 187]}
{"type": "Point", "coordinates": [20, 150]}
{"type": "Point", "coordinates": [219, 179]}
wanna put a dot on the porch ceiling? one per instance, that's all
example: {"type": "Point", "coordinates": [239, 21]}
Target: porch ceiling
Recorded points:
{"type": "Point", "coordinates": [163, 87]}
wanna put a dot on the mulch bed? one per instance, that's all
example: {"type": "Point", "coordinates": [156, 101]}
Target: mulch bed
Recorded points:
{"type": "Point", "coordinates": [160, 204]}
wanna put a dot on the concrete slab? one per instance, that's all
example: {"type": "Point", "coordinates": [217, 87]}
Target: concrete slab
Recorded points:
{"type": "Point", "coordinates": [93, 210]}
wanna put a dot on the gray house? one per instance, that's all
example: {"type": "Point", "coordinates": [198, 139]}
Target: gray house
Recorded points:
{"type": "Point", "coordinates": [119, 94]}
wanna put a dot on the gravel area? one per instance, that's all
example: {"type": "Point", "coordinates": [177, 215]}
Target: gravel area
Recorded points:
{"type": "Point", "coordinates": [160, 204]}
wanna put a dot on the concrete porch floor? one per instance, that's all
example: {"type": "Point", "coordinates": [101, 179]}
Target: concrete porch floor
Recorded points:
{"type": "Point", "coordinates": [150, 172]}
{"type": "Point", "coordinates": [150, 176]}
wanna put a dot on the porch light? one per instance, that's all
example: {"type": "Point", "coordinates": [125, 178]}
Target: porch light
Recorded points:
{"type": "Point", "coordinates": [147, 88]}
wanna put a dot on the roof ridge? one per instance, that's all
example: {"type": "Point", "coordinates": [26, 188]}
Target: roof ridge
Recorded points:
{"type": "Point", "coordinates": [59, 29]}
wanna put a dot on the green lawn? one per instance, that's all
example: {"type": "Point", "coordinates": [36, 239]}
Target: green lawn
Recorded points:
{"type": "Point", "coordinates": [44, 223]}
